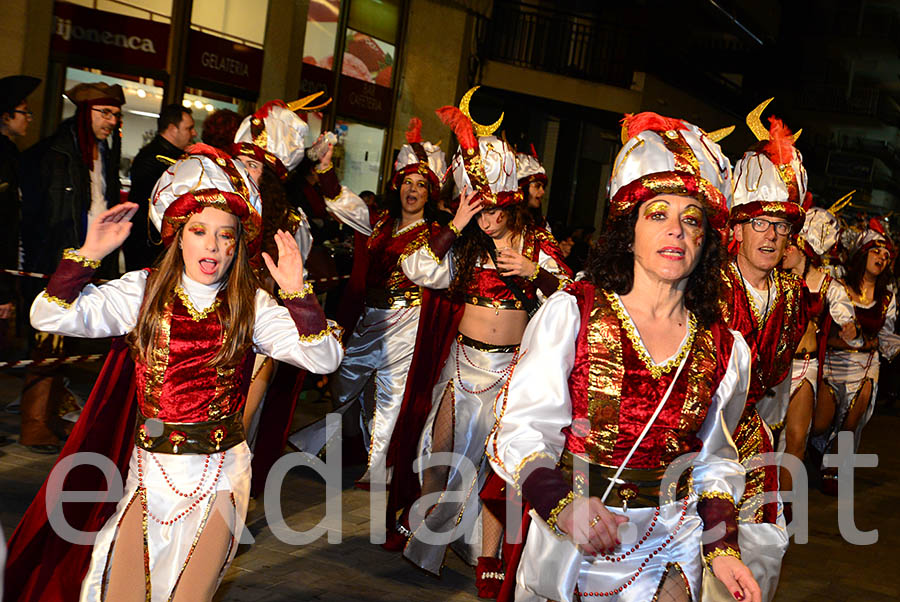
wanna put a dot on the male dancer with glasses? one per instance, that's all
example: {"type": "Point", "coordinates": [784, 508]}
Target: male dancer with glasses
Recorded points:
{"type": "Point", "coordinates": [69, 179]}
{"type": "Point", "coordinates": [766, 306]}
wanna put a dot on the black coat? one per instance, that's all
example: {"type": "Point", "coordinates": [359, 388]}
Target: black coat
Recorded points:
{"type": "Point", "coordinates": [140, 250]}
{"type": "Point", "coordinates": [56, 190]}
{"type": "Point", "coordinates": [9, 216]}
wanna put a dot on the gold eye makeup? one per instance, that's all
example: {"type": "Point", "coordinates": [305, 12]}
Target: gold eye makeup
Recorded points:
{"type": "Point", "coordinates": [656, 207]}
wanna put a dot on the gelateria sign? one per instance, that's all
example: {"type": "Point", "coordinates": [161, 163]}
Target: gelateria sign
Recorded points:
{"type": "Point", "coordinates": [96, 36]}
{"type": "Point", "coordinates": [220, 61]}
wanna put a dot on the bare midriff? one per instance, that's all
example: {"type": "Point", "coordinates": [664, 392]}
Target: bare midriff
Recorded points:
{"type": "Point", "coordinates": [808, 343]}
{"type": "Point", "coordinates": [493, 326]}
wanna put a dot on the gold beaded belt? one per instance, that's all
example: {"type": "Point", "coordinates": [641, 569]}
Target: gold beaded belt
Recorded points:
{"type": "Point", "coordinates": [494, 303]}
{"type": "Point", "coordinates": [393, 298]}
{"type": "Point", "coordinates": [188, 437]}
{"type": "Point", "coordinates": [486, 347]}
{"type": "Point", "coordinates": [635, 488]}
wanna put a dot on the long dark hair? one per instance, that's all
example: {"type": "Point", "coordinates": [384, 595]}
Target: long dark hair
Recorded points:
{"type": "Point", "coordinates": [856, 271]}
{"type": "Point", "coordinates": [610, 266]}
{"type": "Point", "coordinates": [473, 245]}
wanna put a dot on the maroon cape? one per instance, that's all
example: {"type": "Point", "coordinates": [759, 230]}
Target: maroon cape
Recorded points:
{"type": "Point", "coordinates": [438, 324]}
{"type": "Point", "coordinates": [41, 566]}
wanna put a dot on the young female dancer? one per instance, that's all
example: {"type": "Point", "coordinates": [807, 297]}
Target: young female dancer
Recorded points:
{"type": "Point", "coordinates": [191, 324]}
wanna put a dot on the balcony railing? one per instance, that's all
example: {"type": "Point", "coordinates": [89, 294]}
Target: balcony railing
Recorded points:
{"type": "Point", "coordinates": [558, 42]}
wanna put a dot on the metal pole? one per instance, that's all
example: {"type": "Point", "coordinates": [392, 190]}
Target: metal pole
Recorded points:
{"type": "Point", "coordinates": [178, 46]}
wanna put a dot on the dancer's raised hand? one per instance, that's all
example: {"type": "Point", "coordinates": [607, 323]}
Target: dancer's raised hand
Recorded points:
{"type": "Point", "coordinates": [108, 231]}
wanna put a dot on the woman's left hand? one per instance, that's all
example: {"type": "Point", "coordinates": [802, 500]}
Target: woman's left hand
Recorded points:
{"type": "Point", "coordinates": [737, 578]}
{"type": "Point", "coordinates": [848, 331]}
{"type": "Point", "coordinates": [512, 263]}
{"type": "Point", "coordinates": [288, 272]}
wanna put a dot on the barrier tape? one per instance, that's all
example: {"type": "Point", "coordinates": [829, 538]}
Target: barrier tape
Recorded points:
{"type": "Point", "coordinates": [50, 361]}
{"type": "Point", "coordinates": [47, 277]}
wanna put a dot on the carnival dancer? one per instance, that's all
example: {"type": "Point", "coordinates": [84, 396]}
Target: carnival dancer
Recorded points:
{"type": "Point", "coordinates": [381, 347]}
{"type": "Point", "coordinates": [533, 184]}
{"type": "Point", "coordinates": [791, 414]}
{"type": "Point", "coordinates": [767, 307]}
{"type": "Point", "coordinates": [499, 270]}
{"type": "Point", "coordinates": [271, 143]}
{"type": "Point", "coordinates": [190, 324]}
{"type": "Point", "coordinates": [631, 369]}
{"type": "Point", "coordinates": [851, 374]}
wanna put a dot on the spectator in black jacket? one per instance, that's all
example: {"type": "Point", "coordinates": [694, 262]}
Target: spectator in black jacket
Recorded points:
{"type": "Point", "coordinates": [14, 120]}
{"type": "Point", "coordinates": [68, 179]}
{"type": "Point", "coordinates": [175, 130]}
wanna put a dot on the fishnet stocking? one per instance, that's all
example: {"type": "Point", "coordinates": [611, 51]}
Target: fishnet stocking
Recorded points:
{"type": "Point", "coordinates": [673, 587]}
{"type": "Point", "coordinates": [201, 576]}
{"type": "Point", "coordinates": [491, 533]}
{"type": "Point", "coordinates": [126, 571]}
{"type": "Point", "coordinates": [434, 478]}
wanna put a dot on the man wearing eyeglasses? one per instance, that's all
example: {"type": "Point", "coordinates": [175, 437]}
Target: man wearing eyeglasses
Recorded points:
{"type": "Point", "coordinates": [68, 179]}
{"type": "Point", "coordinates": [15, 118]}
{"type": "Point", "coordinates": [767, 306]}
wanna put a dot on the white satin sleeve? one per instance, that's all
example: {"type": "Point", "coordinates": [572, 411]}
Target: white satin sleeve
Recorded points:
{"type": "Point", "coordinates": [425, 269]}
{"type": "Point", "coordinates": [716, 468]}
{"type": "Point", "coordinates": [888, 341]}
{"type": "Point", "coordinates": [537, 405]}
{"type": "Point", "coordinates": [107, 310]}
{"type": "Point", "coordinates": [839, 304]}
{"type": "Point", "coordinates": [275, 335]}
{"type": "Point", "coordinates": [303, 236]}
{"type": "Point", "coordinates": [351, 210]}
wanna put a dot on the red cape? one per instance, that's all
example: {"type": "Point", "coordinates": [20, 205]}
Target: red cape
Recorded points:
{"type": "Point", "coordinates": [41, 566]}
{"type": "Point", "coordinates": [438, 324]}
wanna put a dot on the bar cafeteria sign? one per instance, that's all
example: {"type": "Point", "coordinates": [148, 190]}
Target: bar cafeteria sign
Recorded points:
{"type": "Point", "coordinates": [224, 61]}
{"type": "Point", "coordinates": [108, 37]}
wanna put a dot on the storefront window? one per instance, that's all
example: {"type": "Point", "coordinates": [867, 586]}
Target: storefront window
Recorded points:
{"type": "Point", "coordinates": [321, 32]}
{"type": "Point", "coordinates": [368, 59]}
{"type": "Point", "coordinates": [154, 10]}
{"type": "Point", "coordinates": [143, 101]}
{"type": "Point", "coordinates": [361, 147]}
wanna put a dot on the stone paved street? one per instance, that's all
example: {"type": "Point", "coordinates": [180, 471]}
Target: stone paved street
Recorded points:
{"type": "Point", "coordinates": [825, 568]}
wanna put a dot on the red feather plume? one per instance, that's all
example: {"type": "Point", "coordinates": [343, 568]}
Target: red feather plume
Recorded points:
{"type": "Point", "coordinates": [460, 124]}
{"type": "Point", "coordinates": [780, 147]}
{"type": "Point", "coordinates": [875, 224]}
{"type": "Point", "coordinates": [263, 111]}
{"type": "Point", "coordinates": [534, 152]}
{"type": "Point", "coordinates": [807, 201]}
{"type": "Point", "coordinates": [647, 121]}
{"type": "Point", "coordinates": [414, 131]}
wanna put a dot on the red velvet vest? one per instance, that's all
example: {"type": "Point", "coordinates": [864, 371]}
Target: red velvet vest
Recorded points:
{"type": "Point", "coordinates": [614, 389]}
{"type": "Point", "coordinates": [772, 342]}
{"type": "Point", "coordinates": [181, 387]}
{"type": "Point", "coordinates": [871, 319]}
{"type": "Point", "coordinates": [486, 283]}
{"type": "Point", "coordinates": [817, 302]}
{"type": "Point", "coordinates": [387, 250]}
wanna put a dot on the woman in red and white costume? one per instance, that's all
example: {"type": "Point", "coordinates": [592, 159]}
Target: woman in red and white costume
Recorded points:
{"type": "Point", "coordinates": [851, 373]}
{"type": "Point", "coordinates": [381, 346]}
{"type": "Point", "coordinates": [499, 266]}
{"type": "Point", "coordinates": [597, 360]}
{"type": "Point", "coordinates": [825, 296]}
{"type": "Point", "coordinates": [192, 324]}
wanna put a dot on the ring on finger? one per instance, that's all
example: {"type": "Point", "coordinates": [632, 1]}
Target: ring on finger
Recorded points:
{"type": "Point", "coordinates": [595, 520]}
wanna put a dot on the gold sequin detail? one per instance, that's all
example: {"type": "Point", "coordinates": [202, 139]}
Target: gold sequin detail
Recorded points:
{"type": "Point", "coordinates": [656, 371]}
{"type": "Point", "coordinates": [301, 294]}
{"type": "Point", "coordinates": [604, 380]}
{"type": "Point", "coordinates": [720, 552]}
{"type": "Point", "coordinates": [63, 304]}
{"type": "Point", "coordinates": [159, 362]}
{"type": "Point", "coordinates": [532, 457]}
{"type": "Point", "coordinates": [196, 315]}
{"type": "Point", "coordinates": [71, 255]}
{"type": "Point", "coordinates": [720, 495]}
{"type": "Point", "coordinates": [560, 506]}
{"type": "Point", "coordinates": [331, 329]}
